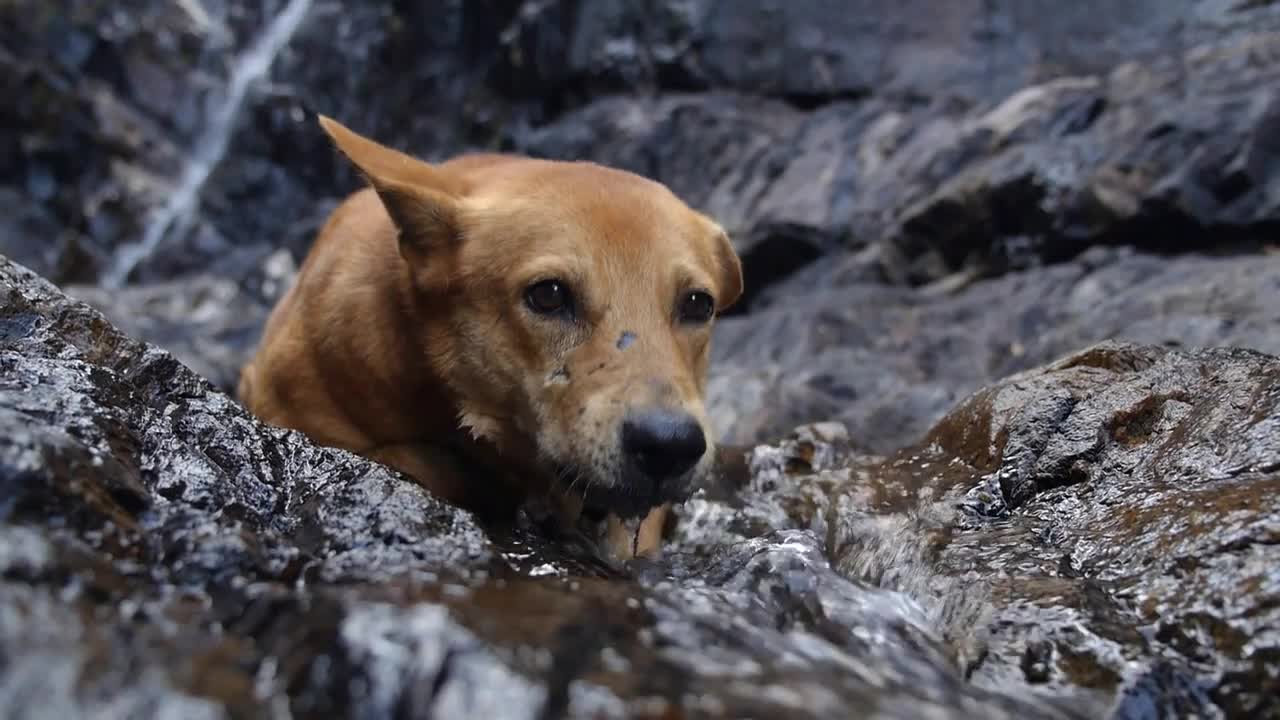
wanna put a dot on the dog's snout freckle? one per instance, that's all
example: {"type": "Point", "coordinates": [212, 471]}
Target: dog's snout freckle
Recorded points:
{"type": "Point", "coordinates": [625, 340]}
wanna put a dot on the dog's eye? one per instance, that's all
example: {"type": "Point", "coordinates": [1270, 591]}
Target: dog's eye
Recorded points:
{"type": "Point", "coordinates": [696, 307]}
{"type": "Point", "coordinates": [548, 297]}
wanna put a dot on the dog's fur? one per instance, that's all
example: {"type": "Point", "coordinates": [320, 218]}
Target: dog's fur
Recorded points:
{"type": "Point", "coordinates": [407, 335]}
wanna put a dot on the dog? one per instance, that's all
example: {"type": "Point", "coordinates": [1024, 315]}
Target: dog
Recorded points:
{"type": "Point", "coordinates": [499, 327]}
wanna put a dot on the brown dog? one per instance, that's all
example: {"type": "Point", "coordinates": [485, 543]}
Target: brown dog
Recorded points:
{"type": "Point", "coordinates": [496, 326]}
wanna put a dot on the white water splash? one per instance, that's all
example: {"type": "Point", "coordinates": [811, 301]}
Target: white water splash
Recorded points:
{"type": "Point", "coordinates": [211, 146]}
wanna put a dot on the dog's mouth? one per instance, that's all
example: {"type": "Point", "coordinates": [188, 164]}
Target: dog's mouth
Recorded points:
{"type": "Point", "coordinates": [597, 502]}
{"type": "Point", "coordinates": [629, 498]}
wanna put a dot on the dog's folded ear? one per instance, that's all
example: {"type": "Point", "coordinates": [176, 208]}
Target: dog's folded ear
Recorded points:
{"type": "Point", "coordinates": [421, 199]}
{"type": "Point", "coordinates": [729, 268]}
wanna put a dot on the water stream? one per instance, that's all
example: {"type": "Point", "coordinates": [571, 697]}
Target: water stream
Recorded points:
{"type": "Point", "coordinates": [211, 146]}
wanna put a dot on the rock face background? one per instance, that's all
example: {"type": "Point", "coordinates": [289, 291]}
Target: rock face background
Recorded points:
{"type": "Point", "coordinates": [947, 165]}
{"type": "Point", "coordinates": [928, 196]}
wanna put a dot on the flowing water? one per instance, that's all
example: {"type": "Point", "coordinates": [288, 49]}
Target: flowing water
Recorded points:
{"type": "Point", "coordinates": [211, 146]}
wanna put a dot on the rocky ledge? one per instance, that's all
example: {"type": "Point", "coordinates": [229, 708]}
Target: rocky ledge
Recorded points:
{"type": "Point", "coordinates": [1095, 537]}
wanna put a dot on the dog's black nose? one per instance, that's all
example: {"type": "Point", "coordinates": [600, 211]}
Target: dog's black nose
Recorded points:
{"type": "Point", "coordinates": [663, 444]}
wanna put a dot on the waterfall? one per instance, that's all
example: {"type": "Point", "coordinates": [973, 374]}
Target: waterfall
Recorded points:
{"type": "Point", "coordinates": [211, 145]}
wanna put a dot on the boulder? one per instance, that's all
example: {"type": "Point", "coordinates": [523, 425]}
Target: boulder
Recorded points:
{"type": "Point", "coordinates": [890, 361]}
{"type": "Point", "coordinates": [1171, 154]}
{"type": "Point", "coordinates": [1103, 524]}
{"type": "Point", "coordinates": [1127, 516]}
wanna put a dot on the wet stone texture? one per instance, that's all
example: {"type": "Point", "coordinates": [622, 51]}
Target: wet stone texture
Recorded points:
{"type": "Point", "coordinates": [889, 362]}
{"type": "Point", "coordinates": [927, 200]}
{"type": "Point", "coordinates": [1101, 527]}
{"type": "Point", "coordinates": [1093, 538]}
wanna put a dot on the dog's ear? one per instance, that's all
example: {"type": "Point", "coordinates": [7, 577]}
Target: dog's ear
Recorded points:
{"type": "Point", "coordinates": [728, 268]}
{"type": "Point", "coordinates": [421, 199]}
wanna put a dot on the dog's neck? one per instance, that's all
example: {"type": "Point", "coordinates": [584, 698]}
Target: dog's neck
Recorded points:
{"type": "Point", "coordinates": [487, 443]}
{"type": "Point", "coordinates": [509, 463]}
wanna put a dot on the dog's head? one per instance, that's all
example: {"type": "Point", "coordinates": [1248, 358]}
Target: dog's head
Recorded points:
{"type": "Point", "coordinates": [570, 311]}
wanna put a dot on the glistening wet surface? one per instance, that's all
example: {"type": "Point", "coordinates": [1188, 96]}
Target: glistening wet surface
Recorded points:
{"type": "Point", "coordinates": [1095, 538]}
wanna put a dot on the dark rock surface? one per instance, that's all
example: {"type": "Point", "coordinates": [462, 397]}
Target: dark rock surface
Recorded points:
{"type": "Point", "coordinates": [1174, 154]}
{"type": "Point", "coordinates": [889, 362]}
{"type": "Point", "coordinates": [152, 525]}
{"type": "Point", "coordinates": [810, 51]}
{"type": "Point", "coordinates": [1071, 542]}
{"type": "Point", "coordinates": [994, 133]}
{"type": "Point", "coordinates": [183, 127]}
{"type": "Point", "coordinates": [869, 172]}
{"type": "Point", "coordinates": [1117, 511]}
{"type": "Point", "coordinates": [210, 323]}
{"type": "Point", "coordinates": [927, 197]}
{"type": "Point", "coordinates": [1128, 512]}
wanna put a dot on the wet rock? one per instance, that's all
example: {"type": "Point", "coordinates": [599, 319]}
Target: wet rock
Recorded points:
{"type": "Point", "coordinates": [915, 194]}
{"type": "Point", "coordinates": [1097, 533]}
{"type": "Point", "coordinates": [152, 509]}
{"type": "Point", "coordinates": [1103, 526]}
{"type": "Point", "coordinates": [981, 136]}
{"type": "Point", "coordinates": [812, 51]}
{"type": "Point", "coordinates": [1140, 154]}
{"type": "Point", "coordinates": [149, 523]}
{"type": "Point", "coordinates": [1140, 523]}
{"type": "Point", "coordinates": [185, 126]}
{"type": "Point", "coordinates": [209, 322]}
{"type": "Point", "coordinates": [107, 100]}
{"type": "Point", "coordinates": [888, 362]}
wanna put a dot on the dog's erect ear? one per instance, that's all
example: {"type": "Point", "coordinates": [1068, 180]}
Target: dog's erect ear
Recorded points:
{"type": "Point", "coordinates": [728, 268]}
{"type": "Point", "coordinates": [421, 199]}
